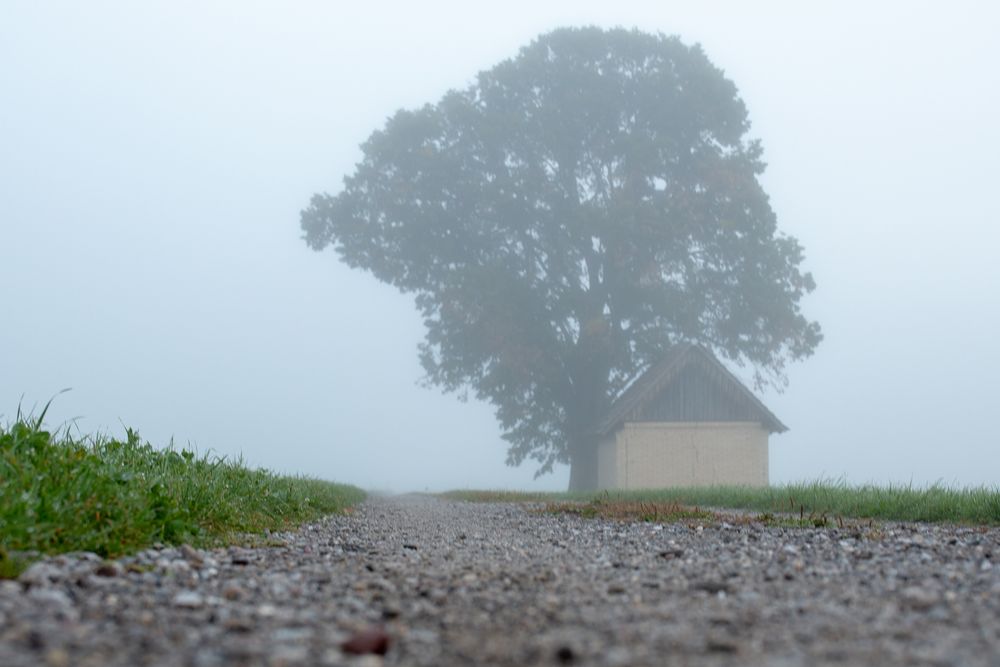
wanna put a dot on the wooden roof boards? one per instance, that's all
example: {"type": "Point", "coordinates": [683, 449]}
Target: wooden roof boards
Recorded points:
{"type": "Point", "coordinates": [688, 384]}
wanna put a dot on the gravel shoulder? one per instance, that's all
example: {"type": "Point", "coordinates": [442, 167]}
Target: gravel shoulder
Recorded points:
{"type": "Point", "coordinates": [454, 583]}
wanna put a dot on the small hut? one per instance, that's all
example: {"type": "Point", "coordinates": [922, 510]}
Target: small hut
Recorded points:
{"type": "Point", "coordinates": [687, 421]}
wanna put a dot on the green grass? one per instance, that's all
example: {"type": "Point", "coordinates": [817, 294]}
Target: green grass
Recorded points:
{"type": "Point", "coordinates": [112, 497]}
{"type": "Point", "coordinates": [499, 496]}
{"type": "Point", "coordinates": [637, 510]}
{"type": "Point", "coordinates": [807, 501]}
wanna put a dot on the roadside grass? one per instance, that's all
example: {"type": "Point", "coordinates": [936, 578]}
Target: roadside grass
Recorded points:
{"type": "Point", "coordinates": [500, 496]}
{"type": "Point", "coordinates": [60, 493]}
{"type": "Point", "coordinates": [656, 512]}
{"type": "Point", "coordinates": [813, 503]}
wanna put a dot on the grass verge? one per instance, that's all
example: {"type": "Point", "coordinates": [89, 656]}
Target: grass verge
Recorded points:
{"type": "Point", "coordinates": [112, 497]}
{"type": "Point", "coordinates": [815, 502]}
{"type": "Point", "coordinates": [656, 512]}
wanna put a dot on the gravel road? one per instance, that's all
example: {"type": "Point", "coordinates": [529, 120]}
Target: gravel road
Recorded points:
{"type": "Point", "coordinates": [456, 583]}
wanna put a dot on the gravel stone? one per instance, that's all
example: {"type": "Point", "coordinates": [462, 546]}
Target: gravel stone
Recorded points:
{"type": "Point", "coordinates": [453, 583]}
{"type": "Point", "coordinates": [188, 600]}
{"type": "Point", "coordinates": [110, 569]}
{"type": "Point", "coordinates": [42, 573]}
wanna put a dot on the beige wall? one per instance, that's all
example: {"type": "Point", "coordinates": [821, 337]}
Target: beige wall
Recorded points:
{"type": "Point", "coordinates": [661, 454]}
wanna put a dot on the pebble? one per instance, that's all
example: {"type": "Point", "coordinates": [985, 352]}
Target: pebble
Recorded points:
{"type": "Point", "coordinates": [42, 573]}
{"type": "Point", "coordinates": [188, 600]}
{"type": "Point", "coordinates": [50, 597]}
{"type": "Point", "coordinates": [109, 569]}
{"type": "Point", "coordinates": [192, 555]}
{"type": "Point", "coordinates": [917, 598]}
{"type": "Point", "coordinates": [505, 584]}
{"type": "Point", "coordinates": [370, 640]}
{"type": "Point", "coordinates": [57, 657]}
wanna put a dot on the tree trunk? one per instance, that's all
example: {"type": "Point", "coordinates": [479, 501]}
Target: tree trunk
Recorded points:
{"type": "Point", "coordinates": [583, 464]}
{"type": "Point", "coordinates": [589, 402]}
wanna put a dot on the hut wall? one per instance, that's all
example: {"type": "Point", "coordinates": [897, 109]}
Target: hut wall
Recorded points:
{"type": "Point", "coordinates": [665, 454]}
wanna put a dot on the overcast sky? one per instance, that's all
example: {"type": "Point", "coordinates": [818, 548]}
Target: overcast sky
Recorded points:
{"type": "Point", "coordinates": [154, 158]}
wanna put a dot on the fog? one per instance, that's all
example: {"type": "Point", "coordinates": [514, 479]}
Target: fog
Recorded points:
{"type": "Point", "coordinates": [154, 158]}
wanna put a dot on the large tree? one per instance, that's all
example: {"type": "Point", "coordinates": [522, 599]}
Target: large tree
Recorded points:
{"type": "Point", "coordinates": [563, 221]}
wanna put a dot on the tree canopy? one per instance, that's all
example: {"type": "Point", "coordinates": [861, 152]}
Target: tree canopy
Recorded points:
{"type": "Point", "coordinates": [564, 220]}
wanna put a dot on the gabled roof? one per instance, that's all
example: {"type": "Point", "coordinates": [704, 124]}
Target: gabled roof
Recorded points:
{"type": "Point", "coordinates": [631, 403]}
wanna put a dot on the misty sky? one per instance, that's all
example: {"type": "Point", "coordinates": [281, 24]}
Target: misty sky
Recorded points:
{"type": "Point", "coordinates": [154, 158]}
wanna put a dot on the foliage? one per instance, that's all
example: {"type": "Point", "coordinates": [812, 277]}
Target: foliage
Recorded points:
{"type": "Point", "coordinates": [59, 493]}
{"type": "Point", "coordinates": [564, 220]}
{"type": "Point", "coordinates": [811, 503]}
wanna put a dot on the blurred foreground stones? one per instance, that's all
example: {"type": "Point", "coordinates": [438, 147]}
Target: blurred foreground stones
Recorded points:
{"type": "Point", "coordinates": [420, 581]}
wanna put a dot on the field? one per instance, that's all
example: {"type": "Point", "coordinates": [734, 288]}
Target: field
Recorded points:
{"type": "Point", "coordinates": [816, 503]}
{"type": "Point", "coordinates": [60, 493]}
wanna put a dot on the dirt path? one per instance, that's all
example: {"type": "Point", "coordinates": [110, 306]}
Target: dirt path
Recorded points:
{"type": "Point", "coordinates": [459, 584]}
